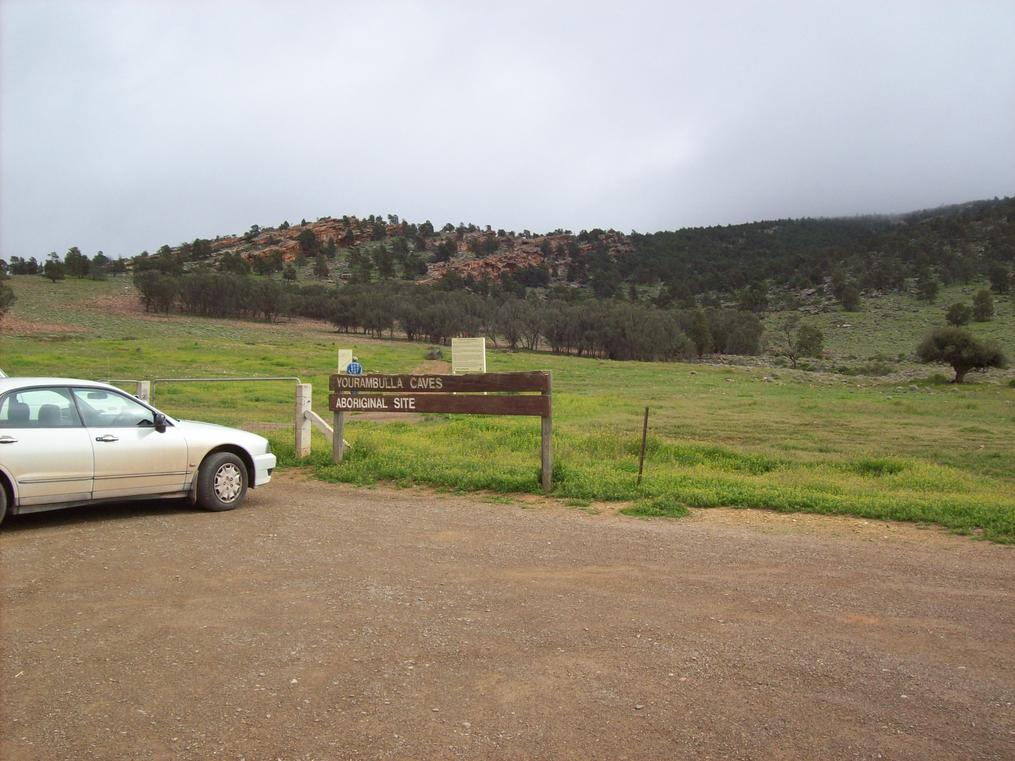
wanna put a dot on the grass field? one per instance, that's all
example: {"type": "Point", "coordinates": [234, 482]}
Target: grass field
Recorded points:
{"type": "Point", "coordinates": [744, 437]}
{"type": "Point", "coordinates": [892, 325]}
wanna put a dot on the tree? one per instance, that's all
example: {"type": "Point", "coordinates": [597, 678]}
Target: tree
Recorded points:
{"type": "Point", "coordinates": [321, 270]}
{"type": "Point", "coordinates": [958, 348]}
{"type": "Point", "coordinates": [158, 291]}
{"type": "Point", "coordinates": [384, 260]}
{"type": "Point", "coordinates": [926, 286]}
{"type": "Point", "coordinates": [75, 263]}
{"type": "Point", "coordinates": [54, 269]}
{"type": "Point", "coordinates": [959, 314]}
{"type": "Point", "coordinates": [604, 277]}
{"type": "Point", "coordinates": [200, 249]}
{"type": "Point", "coordinates": [309, 244]}
{"type": "Point", "coordinates": [100, 265]}
{"type": "Point", "coordinates": [754, 298]}
{"type": "Point", "coordinates": [850, 298]}
{"type": "Point", "coordinates": [700, 333]}
{"type": "Point", "coordinates": [1000, 278]}
{"type": "Point", "coordinates": [445, 250]}
{"type": "Point", "coordinates": [289, 274]}
{"type": "Point", "coordinates": [233, 262]}
{"type": "Point", "coordinates": [6, 299]}
{"type": "Point", "coordinates": [810, 341]}
{"type": "Point", "coordinates": [21, 266]}
{"type": "Point", "coordinates": [983, 306]}
{"type": "Point", "coordinates": [800, 340]}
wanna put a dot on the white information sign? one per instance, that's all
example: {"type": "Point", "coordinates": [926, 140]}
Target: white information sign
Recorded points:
{"type": "Point", "coordinates": [344, 358]}
{"type": "Point", "coordinates": [468, 355]}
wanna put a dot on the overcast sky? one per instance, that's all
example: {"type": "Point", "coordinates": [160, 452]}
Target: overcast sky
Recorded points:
{"type": "Point", "coordinates": [126, 125]}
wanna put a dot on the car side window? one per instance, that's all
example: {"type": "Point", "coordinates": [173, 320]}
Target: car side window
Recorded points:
{"type": "Point", "coordinates": [108, 409]}
{"type": "Point", "coordinates": [39, 408]}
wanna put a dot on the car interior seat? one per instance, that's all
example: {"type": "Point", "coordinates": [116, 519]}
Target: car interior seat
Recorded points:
{"type": "Point", "coordinates": [19, 414]}
{"type": "Point", "coordinates": [49, 416]}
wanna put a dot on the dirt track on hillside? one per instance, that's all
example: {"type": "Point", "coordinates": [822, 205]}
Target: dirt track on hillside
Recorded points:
{"type": "Point", "coordinates": [327, 622]}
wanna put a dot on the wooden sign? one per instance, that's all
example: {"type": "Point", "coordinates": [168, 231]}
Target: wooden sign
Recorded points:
{"type": "Point", "coordinates": [480, 394]}
{"type": "Point", "coordinates": [463, 404]}
{"type": "Point", "coordinates": [445, 384]}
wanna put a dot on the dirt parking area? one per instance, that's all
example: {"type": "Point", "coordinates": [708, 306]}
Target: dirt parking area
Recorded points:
{"type": "Point", "coordinates": [329, 622]}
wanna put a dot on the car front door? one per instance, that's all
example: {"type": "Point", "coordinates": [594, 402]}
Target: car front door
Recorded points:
{"type": "Point", "coordinates": [132, 458]}
{"type": "Point", "coordinates": [44, 447]}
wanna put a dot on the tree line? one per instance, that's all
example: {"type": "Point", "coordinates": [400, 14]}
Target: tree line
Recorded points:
{"type": "Point", "coordinates": [606, 328]}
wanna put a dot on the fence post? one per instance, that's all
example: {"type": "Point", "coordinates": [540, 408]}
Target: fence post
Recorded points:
{"type": "Point", "coordinates": [304, 395]}
{"type": "Point", "coordinates": [144, 391]}
{"type": "Point", "coordinates": [337, 442]}
{"type": "Point", "coordinates": [546, 436]}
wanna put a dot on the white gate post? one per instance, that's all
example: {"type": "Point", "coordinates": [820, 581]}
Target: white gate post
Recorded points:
{"type": "Point", "coordinates": [144, 391]}
{"type": "Point", "coordinates": [337, 442]}
{"type": "Point", "coordinates": [304, 395]}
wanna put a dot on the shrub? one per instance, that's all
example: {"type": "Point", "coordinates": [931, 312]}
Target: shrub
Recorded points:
{"type": "Point", "coordinates": [959, 314]}
{"type": "Point", "coordinates": [6, 299]}
{"type": "Point", "coordinates": [983, 305]}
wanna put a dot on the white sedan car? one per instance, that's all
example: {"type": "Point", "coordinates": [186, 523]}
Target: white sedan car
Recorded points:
{"type": "Point", "coordinates": [67, 442]}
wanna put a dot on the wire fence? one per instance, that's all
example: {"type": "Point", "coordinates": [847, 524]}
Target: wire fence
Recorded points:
{"type": "Point", "coordinates": [264, 405]}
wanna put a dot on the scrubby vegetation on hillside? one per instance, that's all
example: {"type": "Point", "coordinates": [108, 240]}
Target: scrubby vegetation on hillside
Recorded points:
{"type": "Point", "coordinates": [664, 295]}
{"type": "Point", "coordinates": [755, 264]}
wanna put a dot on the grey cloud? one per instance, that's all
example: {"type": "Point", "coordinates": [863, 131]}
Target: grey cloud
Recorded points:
{"type": "Point", "coordinates": [127, 125]}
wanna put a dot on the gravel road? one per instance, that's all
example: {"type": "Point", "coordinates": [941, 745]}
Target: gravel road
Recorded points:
{"type": "Point", "coordinates": [329, 622]}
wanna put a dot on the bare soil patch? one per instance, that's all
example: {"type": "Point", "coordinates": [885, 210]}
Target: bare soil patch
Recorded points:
{"type": "Point", "coordinates": [326, 622]}
{"type": "Point", "coordinates": [18, 326]}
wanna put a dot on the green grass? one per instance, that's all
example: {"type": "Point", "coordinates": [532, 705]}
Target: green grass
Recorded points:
{"type": "Point", "coordinates": [718, 436]}
{"type": "Point", "coordinates": [892, 325]}
{"type": "Point", "coordinates": [657, 507]}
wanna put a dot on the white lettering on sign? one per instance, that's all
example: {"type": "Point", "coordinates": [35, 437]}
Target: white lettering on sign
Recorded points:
{"type": "Point", "coordinates": [374, 403]}
{"type": "Point", "coordinates": [369, 381]}
{"type": "Point", "coordinates": [425, 381]}
{"type": "Point", "coordinates": [359, 403]}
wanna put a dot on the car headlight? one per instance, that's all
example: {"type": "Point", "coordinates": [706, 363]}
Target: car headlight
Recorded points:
{"type": "Point", "coordinates": [267, 448]}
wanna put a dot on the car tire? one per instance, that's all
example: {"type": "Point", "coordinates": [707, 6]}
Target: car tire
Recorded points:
{"type": "Point", "coordinates": [221, 482]}
{"type": "Point", "coordinates": [3, 501]}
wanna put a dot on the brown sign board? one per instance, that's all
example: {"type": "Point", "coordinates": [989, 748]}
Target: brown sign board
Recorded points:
{"type": "Point", "coordinates": [474, 394]}
{"type": "Point", "coordinates": [465, 404]}
{"type": "Point", "coordinates": [441, 384]}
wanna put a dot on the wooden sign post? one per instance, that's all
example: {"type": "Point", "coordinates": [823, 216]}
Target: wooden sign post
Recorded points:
{"type": "Point", "coordinates": [479, 394]}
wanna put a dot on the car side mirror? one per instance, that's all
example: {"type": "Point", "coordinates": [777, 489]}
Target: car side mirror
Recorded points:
{"type": "Point", "coordinates": [160, 422]}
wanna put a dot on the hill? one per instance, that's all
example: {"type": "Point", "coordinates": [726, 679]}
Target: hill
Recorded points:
{"type": "Point", "coordinates": [666, 295]}
{"type": "Point", "coordinates": [954, 244]}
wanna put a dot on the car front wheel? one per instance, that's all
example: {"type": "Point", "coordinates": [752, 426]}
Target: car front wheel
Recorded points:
{"type": "Point", "coordinates": [221, 482]}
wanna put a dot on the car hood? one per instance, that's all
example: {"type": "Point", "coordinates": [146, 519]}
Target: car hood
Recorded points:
{"type": "Point", "coordinates": [211, 433]}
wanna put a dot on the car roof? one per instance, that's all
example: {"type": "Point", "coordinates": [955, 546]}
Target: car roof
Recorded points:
{"type": "Point", "coordinates": [9, 384]}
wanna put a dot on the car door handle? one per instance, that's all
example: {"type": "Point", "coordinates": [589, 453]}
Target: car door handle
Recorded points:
{"type": "Point", "coordinates": [8, 440]}
{"type": "Point", "coordinates": [106, 438]}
